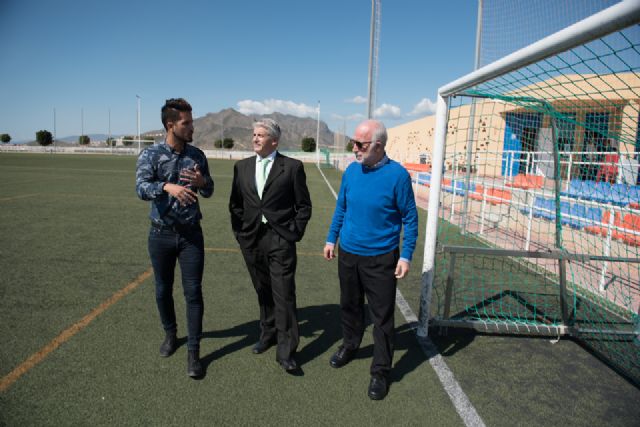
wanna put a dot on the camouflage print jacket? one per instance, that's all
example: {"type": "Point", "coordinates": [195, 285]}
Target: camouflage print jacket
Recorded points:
{"type": "Point", "coordinates": [160, 164]}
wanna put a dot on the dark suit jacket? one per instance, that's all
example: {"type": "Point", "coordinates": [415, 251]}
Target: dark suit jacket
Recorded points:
{"type": "Point", "coordinates": [285, 200]}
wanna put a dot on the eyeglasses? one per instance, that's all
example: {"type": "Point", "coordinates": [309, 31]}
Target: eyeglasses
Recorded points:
{"type": "Point", "coordinates": [361, 145]}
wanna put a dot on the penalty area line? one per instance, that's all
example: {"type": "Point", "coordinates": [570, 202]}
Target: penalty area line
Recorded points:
{"type": "Point", "coordinates": [68, 333]}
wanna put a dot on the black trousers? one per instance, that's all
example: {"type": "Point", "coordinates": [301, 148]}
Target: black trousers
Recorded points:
{"type": "Point", "coordinates": [373, 276]}
{"type": "Point", "coordinates": [271, 262]}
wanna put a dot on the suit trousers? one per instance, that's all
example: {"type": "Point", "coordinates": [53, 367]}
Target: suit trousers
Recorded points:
{"type": "Point", "coordinates": [373, 276]}
{"type": "Point", "coordinates": [271, 262]}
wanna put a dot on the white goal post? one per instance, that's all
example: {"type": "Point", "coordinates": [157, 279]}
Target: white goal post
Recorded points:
{"type": "Point", "coordinates": [612, 19]}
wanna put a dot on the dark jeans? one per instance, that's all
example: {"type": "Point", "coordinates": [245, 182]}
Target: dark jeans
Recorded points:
{"type": "Point", "coordinates": [187, 247]}
{"type": "Point", "coordinates": [373, 276]}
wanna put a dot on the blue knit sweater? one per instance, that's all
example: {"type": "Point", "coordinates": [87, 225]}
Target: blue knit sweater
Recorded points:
{"type": "Point", "coordinates": [372, 207]}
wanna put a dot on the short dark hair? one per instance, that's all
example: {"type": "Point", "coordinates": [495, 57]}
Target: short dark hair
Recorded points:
{"type": "Point", "coordinates": [172, 108]}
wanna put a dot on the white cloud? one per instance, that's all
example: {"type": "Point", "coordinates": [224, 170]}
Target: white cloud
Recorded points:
{"type": "Point", "coordinates": [349, 118]}
{"type": "Point", "coordinates": [423, 108]}
{"type": "Point", "coordinates": [268, 106]}
{"type": "Point", "coordinates": [387, 111]}
{"type": "Point", "coordinates": [357, 100]}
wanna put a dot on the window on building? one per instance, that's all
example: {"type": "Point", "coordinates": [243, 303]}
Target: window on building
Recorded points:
{"type": "Point", "coordinates": [566, 127]}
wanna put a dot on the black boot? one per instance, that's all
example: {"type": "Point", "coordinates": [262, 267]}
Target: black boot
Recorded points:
{"type": "Point", "coordinates": [169, 345]}
{"type": "Point", "coordinates": [194, 367]}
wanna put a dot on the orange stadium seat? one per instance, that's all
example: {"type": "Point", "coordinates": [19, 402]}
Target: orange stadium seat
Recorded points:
{"type": "Point", "coordinates": [631, 222]}
{"type": "Point", "coordinates": [527, 182]}
{"type": "Point", "coordinates": [417, 167]}
{"type": "Point", "coordinates": [496, 196]}
{"type": "Point", "coordinates": [477, 195]}
{"type": "Point", "coordinates": [602, 229]}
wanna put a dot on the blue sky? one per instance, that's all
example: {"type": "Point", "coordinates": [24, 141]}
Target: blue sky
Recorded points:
{"type": "Point", "coordinates": [88, 58]}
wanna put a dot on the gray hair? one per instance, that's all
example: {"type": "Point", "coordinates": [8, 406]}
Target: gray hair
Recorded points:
{"type": "Point", "coordinates": [272, 127]}
{"type": "Point", "coordinates": [379, 132]}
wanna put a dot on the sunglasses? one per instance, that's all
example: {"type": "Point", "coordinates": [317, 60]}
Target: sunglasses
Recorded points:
{"type": "Point", "coordinates": [361, 145]}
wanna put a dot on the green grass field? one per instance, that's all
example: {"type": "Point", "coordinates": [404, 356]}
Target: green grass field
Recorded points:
{"type": "Point", "coordinates": [74, 234]}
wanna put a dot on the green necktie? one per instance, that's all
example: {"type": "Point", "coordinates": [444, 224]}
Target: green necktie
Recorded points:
{"type": "Point", "coordinates": [262, 176]}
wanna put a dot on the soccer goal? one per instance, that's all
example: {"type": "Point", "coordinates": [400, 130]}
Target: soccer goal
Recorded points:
{"type": "Point", "coordinates": [533, 220]}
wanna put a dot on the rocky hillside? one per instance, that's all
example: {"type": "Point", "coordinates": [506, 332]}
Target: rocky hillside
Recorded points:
{"type": "Point", "coordinates": [230, 123]}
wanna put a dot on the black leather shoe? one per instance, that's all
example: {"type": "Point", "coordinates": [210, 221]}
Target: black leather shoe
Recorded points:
{"type": "Point", "coordinates": [378, 387]}
{"type": "Point", "coordinates": [342, 357]}
{"type": "Point", "coordinates": [169, 345]}
{"type": "Point", "coordinates": [261, 347]}
{"type": "Point", "coordinates": [288, 364]}
{"type": "Point", "coordinates": [194, 367]}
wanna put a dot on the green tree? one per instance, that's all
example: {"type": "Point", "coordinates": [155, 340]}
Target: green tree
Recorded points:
{"type": "Point", "coordinates": [308, 144]}
{"type": "Point", "coordinates": [111, 142]}
{"type": "Point", "coordinates": [128, 140]}
{"type": "Point", "coordinates": [218, 143]}
{"type": "Point", "coordinates": [148, 140]}
{"type": "Point", "coordinates": [5, 138]}
{"type": "Point", "coordinates": [44, 137]}
{"type": "Point", "coordinates": [228, 143]}
{"type": "Point", "coordinates": [84, 140]}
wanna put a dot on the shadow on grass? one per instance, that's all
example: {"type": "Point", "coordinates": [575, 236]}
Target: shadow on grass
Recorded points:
{"type": "Point", "coordinates": [449, 342]}
{"type": "Point", "coordinates": [322, 326]}
{"type": "Point", "coordinates": [415, 355]}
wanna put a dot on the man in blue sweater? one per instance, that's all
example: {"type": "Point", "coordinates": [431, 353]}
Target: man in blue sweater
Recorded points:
{"type": "Point", "coordinates": [375, 202]}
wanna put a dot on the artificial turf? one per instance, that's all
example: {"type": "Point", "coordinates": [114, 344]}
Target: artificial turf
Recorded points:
{"type": "Point", "coordinates": [74, 233]}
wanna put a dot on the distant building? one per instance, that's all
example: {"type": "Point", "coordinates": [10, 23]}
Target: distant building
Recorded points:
{"type": "Point", "coordinates": [599, 109]}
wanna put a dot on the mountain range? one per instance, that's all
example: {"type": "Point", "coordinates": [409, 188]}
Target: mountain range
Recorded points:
{"type": "Point", "coordinates": [230, 123]}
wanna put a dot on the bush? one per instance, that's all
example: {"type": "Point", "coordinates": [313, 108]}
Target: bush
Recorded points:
{"type": "Point", "coordinates": [227, 143]}
{"type": "Point", "coordinates": [127, 141]}
{"type": "Point", "coordinates": [308, 144]}
{"type": "Point", "coordinates": [5, 138]}
{"type": "Point", "coordinates": [44, 137]}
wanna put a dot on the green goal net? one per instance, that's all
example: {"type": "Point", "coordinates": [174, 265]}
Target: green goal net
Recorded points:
{"type": "Point", "coordinates": [534, 183]}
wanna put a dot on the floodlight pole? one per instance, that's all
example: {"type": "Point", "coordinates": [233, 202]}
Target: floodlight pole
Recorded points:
{"type": "Point", "coordinates": [54, 129]}
{"type": "Point", "coordinates": [472, 117]}
{"type": "Point", "coordinates": [373, 55]}
{"type": "Point", "coordinates": [318, 137]}
{"type": "Point", "coordinates": [109, 137]}
{"type": "Point", "coordinates": [138, 121]}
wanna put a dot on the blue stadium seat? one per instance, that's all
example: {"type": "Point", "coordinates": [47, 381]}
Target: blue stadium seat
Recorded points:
{"type": "Point", "coordinates": [574, 190]}
{"type": "Point", "coordinates": [576, 211]}
{"type": "Point", "coordinates": [620, 194]}
{"type": "Point", "coordinates": [538, 204]}
{"type": "Point", "coordinates": [593, 217]}
{"type": "Point", "coordinates": [424, 178]}
{"type": "Point", "coordinates": [460, 187]}
{"type": "Point", "coordinates": [602, 192]}
{"type": "Point", "coordinates": [634, 194]}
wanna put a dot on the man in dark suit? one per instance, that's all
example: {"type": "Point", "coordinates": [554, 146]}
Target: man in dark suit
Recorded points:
{"type": "Point", "coordinates": [270, 207]}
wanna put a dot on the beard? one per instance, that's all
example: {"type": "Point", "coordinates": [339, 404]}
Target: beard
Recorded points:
{"type": "Point", "coordinates": [183, 138]}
